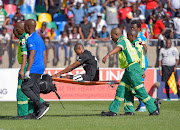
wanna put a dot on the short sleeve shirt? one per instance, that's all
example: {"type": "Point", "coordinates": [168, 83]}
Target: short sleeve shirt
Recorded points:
{"type": "Point", "coordinates": [5, 38]}
{"type": "Point", "coordinates": [86, 29]}
{"type": "Point", "coordinates": [158, 27]}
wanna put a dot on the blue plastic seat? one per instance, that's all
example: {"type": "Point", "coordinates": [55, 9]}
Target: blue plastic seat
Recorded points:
{"type": "Point", "coordinates": [26, 9]}
{"type": "Point", "coordinates": [61, 26]}
{"type": "Point", "coordinates": [10, 16]}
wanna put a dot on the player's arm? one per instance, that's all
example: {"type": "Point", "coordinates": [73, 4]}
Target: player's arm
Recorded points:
{"type": "Point", "coordinates": [68, 69]}
{"type": "Point", "coordinates": [160, 62]}
{"type": "Point", "coordinates": [115, 50]}
{"type": "Point", "coordinates": [24, 60]}
{"type": "Point", "coordinates": [31, 59]}
{"type": "Point", "coordinates": [145, 48]}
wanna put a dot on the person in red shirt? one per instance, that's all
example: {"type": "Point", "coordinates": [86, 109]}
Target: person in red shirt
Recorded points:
{"type": "Point", "coordinates": [122, 13]}
{"type": "Point", "coordinates": [159, 27]}
{"type": "Point", "coordinates": [144, 26]}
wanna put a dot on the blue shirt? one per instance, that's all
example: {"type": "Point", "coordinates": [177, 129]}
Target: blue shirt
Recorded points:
{"type": "Point", "coordinates": [78, 15]}
{"type": "Point", "coordinates": [97, 9]}
{"type": "Point", "coordinates": [105, 35]}
{"type": "Point", "coordinates": [35, 42]}
{"type": "Point", "coordinates": [142, 38]}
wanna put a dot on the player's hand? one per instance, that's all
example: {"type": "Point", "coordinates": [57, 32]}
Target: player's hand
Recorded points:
{"type": "Point", "coordinates": [160, 72]}
{"type": "Point", "coordinates": [21, 74]}
{"type": "Point", "coordinates": [105, 58]}
{"type": "Point", "coordinates": [27, 75]}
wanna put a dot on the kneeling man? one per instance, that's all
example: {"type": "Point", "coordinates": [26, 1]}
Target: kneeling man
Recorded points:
{"type": "Point", "coordinates": [89, 63]}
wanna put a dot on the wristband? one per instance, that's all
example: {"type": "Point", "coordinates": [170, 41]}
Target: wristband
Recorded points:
{"type": "Point", "coordinates": [160, 67]}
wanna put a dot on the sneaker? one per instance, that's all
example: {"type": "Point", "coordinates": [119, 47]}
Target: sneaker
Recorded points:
{"type": "Point", "coordinates": [155, 113]}
{"type": "Point", "coordinates": [30, 116]}
{"type": "Point", "coordinates": [42, 111]}
{"type": "Point", "coordinates": [157, 102]}
{"type": "Point", "coordinates": [141, 109]}
{"type": "Point", "coordinates": [127, 113]}
{"type": "Point", "coordinates": [46, 103]}
{"type": "Point", "coordinates": [110, 113]}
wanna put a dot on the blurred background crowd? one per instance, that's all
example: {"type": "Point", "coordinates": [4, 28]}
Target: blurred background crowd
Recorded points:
{"type": "Point", "coordinates": [63, 23]}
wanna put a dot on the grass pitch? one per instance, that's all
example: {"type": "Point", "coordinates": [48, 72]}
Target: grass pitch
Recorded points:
{"type": "Point", "coordinates": [86, 115]}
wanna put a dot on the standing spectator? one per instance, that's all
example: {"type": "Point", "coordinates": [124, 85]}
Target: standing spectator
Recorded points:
{"type": "Point", "coordinates": [86, 30]}
{"type": "Point", "coordinates": [78, 12]}
{"type": "Point", "coordinates": [159, 28]}
{"type": "Point", "coordinates": [144, 26]}
{"type": "Point", "coordinates": [104, 40]}
{"type": "Point", "coordinates": [111, 14]}
{"type": "Point", "coordinates": [73, 36]}
{"type": "Point", "coordinates": [136, 12]}
{"type": "Point", "coordinates": [93, 11]}
{"type": "Point", "coordinates": [4, 44]}
{"type": "Point", "coordinates": [142, 6]}
{"type": "Point", "coordinates": [99, 23]}
{"type": "Point", "coordinates": [3, 14]}
{"type": "Point", "coordinates": [174, 6]}
{"type": "Point", "coordinates": [122, 13]}
{"type": "Point", "coordinates": [8, 26]}
{"type": "Point", "coordinates": [52, 36]}
{"type": "Point", "coordinates": [169, 25]}
{"type": "Point", "coordinates": [44, 35]}
{"type": "Point", "coordinates": [64, 42]}
{"type": "Point", "coordinates": [126, 24]}
{"type": "Point", "coordinates": [168, 61]}
{"type": "Point", "coordinates": [177, 26]}
{"type": "Point", "coordinates": [69, 26]}
{"type": "Point", "coordinates": [52, 6]}
{"type": "Point", "coordinates": [150, 6]}
{"type": "Point", "coordinates": [18, 16]}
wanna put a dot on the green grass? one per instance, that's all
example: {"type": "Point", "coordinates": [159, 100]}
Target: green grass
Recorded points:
{"type": "Point", "coordinates": [86, 115]}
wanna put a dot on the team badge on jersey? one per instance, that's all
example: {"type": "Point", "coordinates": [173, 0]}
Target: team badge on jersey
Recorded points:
{"type": "Point", "coordinates": [23, 42]}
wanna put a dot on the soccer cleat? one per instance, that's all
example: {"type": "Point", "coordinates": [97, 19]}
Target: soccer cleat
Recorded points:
{"type": "Point", "coordinates": [110, 113]}
{"type": "Point", "coordinates": [157, 102]}
{"type": "Point", "coordinates": [42, 111]}
{"type": "Point", "coordinates": [127, 114]}
{"type": "Point", "coordinates": [141, 109]}
{"type": "Point", "coordinates": [155, 113]}
{"type": "Point", "coordinates": [30, 116]}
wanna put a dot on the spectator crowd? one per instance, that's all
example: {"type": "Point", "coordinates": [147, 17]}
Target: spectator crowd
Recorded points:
{"type": "Point", "coordinates": [86, 20]}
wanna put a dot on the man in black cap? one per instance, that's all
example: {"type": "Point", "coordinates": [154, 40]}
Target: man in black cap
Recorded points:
{"type": "Point", "coordinates": [86, 30]}
{"type": "Point", "coordinates": [18, 16]}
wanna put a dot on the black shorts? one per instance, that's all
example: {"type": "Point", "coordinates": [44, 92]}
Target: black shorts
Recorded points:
{"type": "Point", "coordinates": [85, 77]}
{"type": "Point", "coordinates": [167, 71]}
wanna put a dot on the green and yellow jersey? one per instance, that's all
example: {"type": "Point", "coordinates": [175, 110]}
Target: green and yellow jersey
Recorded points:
{"type": "Point", "coordinates": [22, 47]}
{"type": "Point", "coordinates": [128, 54]}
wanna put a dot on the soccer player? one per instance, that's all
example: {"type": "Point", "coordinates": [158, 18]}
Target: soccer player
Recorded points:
{"type": "Point", "coordinates": [24, 106]}
{"type": "Point", "coordinates": [36, 55]}
{"type": "Point", "coordinates": [136, 25]}
{"type": "Point", "coordinates": [131, 80]}
{"type": "Point", "coordinates": [89, 63]}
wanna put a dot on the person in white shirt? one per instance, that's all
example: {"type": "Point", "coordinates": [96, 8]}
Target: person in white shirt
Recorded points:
{"type": "Point", "coordinates": [174, 5]}
{"type": "Point", "coordinates": [99, 23]}
{"type": "Point", "coordinates": [4, 43]}
{"type": "Point", "coordinates": [168, 62]}
{"type": "Point", "coordinates": [177, 26]}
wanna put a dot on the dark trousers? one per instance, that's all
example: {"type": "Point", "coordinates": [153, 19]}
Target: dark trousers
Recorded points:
{"type": "Point", "coordinates": [31, 89]}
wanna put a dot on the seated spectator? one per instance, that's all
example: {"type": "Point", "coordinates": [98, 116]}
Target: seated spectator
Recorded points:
{"type": "Point", "coordinates": [69, 26]}
{"type": "Point", "coordinates": [3, 14]}
{"type": "Point", "coordinates": [169, 25]}
{"type": "Point", "coordinates": [177, 26]}
{"type": "Point", "coordinates": [135, 12]}
{"type": "Point", "coordinates": [104, 40]}
{"type": "Point", "coordinates": [86, 30]}
{"type": "Point", "coordinates": [52, 36]}
{"type": "Point", "coordinates": [111, 14]}
{"type": "Point", "coordinates": [123, 11]}
{"type": "Point", "coordinates": [4, 44]}
{"type": "Point", "coordinates": [73, 38]}
{"type": "Point", "coordinates": [9, 27]}
{"type": "Point", "coordinates": [94, 10]}
{"type": "Point", "coordinates": [99, 23]}
{"type": "Point", "coordinates": [18, 16]}
{"type": "Point", "coordinates": [44, 35]}
{"type": "Point", "coordinates": [78, 12]}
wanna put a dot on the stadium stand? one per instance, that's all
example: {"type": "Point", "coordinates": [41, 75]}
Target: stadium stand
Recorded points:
{"type": "Point", "coordinates": [44, 17]}
{"type": "Point", "coordinates": [39, 9]}
{"type": "Point", "coordinates": [30, 16]}
{"type": "Point", "coordinates": [25, 9]}
{"type": "Point", "coordinates": [51, 25]}
{"type": "Point", "coordinates": [10, 8]}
